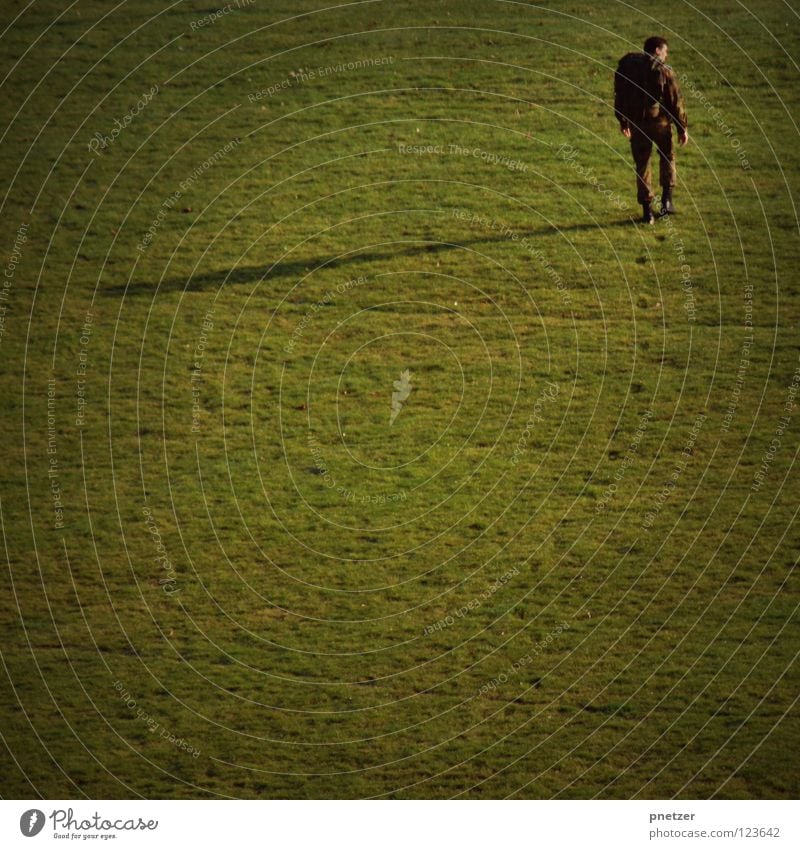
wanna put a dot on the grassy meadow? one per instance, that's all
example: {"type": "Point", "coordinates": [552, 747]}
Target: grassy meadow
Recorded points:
{"type": "Point", "coordinates": [560, 563]}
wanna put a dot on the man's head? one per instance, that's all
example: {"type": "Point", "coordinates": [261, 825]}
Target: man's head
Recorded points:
{"type": "Point", "coordinates": [657, 46]}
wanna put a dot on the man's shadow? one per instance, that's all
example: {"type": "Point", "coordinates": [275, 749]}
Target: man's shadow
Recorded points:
{"type": "Point", "coordinates": [296, 269]}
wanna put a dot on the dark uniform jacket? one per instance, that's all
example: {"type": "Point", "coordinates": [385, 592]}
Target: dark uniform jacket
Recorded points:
{"type": "Point", "coordinates": [645, 88]}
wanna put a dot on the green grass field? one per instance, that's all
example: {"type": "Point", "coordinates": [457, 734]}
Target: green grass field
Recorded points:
{"type": "Point", "coordinates": [561, 564]}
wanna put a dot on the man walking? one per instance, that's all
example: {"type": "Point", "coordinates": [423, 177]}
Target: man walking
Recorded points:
{"type": "Point", "coordinates": [647, 102]}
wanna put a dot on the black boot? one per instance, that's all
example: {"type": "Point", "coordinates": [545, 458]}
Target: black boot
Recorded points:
{"type": "Point", "coordinates": [666, 202]}
{"type": "Point", "coordinates": [647, 213]}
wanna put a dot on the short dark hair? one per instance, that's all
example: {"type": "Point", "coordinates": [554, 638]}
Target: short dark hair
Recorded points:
{"type": "Point", "coordinates": [653, 43]}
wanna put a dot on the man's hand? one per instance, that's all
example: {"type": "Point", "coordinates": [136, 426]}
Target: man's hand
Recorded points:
{"type": "Point", "coordinates": [626, 131]}
{"type": "Point", "coordinates": [683, 137]}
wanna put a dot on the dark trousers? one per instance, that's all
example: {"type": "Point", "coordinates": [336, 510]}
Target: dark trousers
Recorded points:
{"type": "Point", "coordinates": [656, 131]}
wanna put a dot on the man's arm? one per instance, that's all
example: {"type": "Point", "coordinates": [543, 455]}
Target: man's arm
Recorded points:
{"type": "Point", "coordinates": [673, 102]}
{"type": "Point", "coordinates": [621, 105]}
